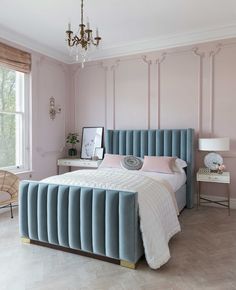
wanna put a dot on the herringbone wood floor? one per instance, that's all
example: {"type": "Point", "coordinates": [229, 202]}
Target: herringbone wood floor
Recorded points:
{"type": "Point", "coordinates": [203, 257]}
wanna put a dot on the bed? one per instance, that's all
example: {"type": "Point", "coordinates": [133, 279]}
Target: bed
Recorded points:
{"type": "Point", "coordinates": [103, 221]}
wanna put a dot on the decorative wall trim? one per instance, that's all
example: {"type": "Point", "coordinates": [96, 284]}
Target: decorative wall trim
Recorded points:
{"type": "Point", "coordinates": [199, 54]}
{"type": "Point", "coordinates": [212, 55]}
{"type": "Point", "coordinates": [166, 42]}
{"type": "Point", "coordinates": [113, 69]}
{"type": "Point", "coordinates": [122, 49]}
{"type": "Point", "coordinates": [149, 63]}
{"type": "Point", "coordinates": [105, 90]}
{"type": "Point", "coordinates": [158, 62]}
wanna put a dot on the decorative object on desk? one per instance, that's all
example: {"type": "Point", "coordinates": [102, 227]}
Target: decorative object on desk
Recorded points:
{"type": "Point", "coordinates": [99, 153]}
{"type": "Point", "coordinates": [212, 160]}
{"type": "Point", "coordinates": [72, 139]}
{"type": "Point", "coordinates": [53, 110]}
{"type": "Point", "coordinates": [221, 168]}
{"type": "Point", "coordinates": [91, 139]}
{"type": "Point", "coordinates": [82, 41]}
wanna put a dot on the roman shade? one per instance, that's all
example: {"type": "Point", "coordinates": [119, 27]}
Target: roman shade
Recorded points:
{"type": "Point", "coordinates": [14, 58]}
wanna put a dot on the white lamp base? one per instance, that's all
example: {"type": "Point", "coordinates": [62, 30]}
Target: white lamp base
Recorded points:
{"type": "Point", "coordinates": [213, 161]}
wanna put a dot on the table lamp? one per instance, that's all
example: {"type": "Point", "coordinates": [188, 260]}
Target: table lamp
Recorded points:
{"type": "Point", "coordinates": [213, 160]}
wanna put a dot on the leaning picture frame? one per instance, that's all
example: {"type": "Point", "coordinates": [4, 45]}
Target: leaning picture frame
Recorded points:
{"type": "Point", "coordinates": [99, 153]}
{"type": "Point", "coordinates": [92, 137]}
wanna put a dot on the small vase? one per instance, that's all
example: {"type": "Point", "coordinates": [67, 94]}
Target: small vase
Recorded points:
{"type": "Point", "coordinates": [72, 152]}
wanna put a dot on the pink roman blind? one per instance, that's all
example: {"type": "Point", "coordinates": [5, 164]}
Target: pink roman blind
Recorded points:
{"type": "Point", "coordinates": [15, 58]}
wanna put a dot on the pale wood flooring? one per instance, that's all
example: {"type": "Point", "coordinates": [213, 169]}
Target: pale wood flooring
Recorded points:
{"type": "Point", "coordinates": [203, 257]}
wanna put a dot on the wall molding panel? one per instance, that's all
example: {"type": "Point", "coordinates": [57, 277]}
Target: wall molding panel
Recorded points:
{"type": "Point", "coordinates": [149, 63]}
{"type": "Point", "coordinates": [113, 70]}
{"type": "Point", "coordinates": [177, 87]}
{"type": "Point", "coordinates": [158, 63]}
{"type": "Point", "coordinates": [201, 55]}
{"type": "Point", "coordinates": [212, 55]}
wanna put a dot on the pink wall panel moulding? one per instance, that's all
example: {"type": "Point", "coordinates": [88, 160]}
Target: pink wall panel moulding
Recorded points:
{"type": "Point", "coordinates": [176, 89]}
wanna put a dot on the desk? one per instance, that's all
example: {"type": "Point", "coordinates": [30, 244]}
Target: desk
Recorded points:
{"type": "Point", "coordinates": [76, 162]}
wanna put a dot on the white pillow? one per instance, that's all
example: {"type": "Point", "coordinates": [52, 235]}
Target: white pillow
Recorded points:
{"type": "Point", "coordinates": [179, 165]}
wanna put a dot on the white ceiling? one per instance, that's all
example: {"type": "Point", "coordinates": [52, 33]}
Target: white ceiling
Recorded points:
{"type": "Point", "coordinates": [126, 26]}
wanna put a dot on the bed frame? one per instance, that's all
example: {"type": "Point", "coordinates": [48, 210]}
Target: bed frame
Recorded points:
{"type": "Point", "coordinates": [95, 222]}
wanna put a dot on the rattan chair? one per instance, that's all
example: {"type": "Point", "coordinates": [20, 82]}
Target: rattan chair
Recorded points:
{"type": "Point", "coordinates": [9, 185]}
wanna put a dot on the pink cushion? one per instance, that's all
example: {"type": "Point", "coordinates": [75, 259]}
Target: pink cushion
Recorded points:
{"type": "Point", "coordinates": [112, 161]}
{"type": "Point", "coordinates": [162, 164]}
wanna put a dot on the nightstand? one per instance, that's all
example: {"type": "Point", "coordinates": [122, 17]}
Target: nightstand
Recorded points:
{"type": "Point", "coordinates": [204, 175]}
{"type": "Point", "coordinates": [76, 162]}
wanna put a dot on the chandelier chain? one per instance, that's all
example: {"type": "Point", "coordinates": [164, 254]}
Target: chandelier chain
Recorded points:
{"type": "Point", "coordinates": [82, 11]}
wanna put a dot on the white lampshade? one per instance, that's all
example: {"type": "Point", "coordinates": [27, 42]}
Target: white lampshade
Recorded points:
{"type": "Point", "coordinates": [213, 144]}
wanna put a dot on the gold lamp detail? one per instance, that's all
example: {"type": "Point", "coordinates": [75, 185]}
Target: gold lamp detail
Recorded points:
{"type": "Point", "coordinates": [83, 39]}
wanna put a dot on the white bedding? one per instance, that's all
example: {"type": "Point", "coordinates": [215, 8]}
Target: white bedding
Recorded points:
{"type": "Point", "coordinates": [157, 205]}
{"type": "Point", "coordinates": [176, 180]}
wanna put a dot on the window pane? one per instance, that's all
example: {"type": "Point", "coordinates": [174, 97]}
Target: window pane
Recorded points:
{"type": "Point", "coordinates": [7, 140]}
{"type": "Point", "coordinates": [7, 90]}
{"type": "Point", "coordinates": [14, 114]}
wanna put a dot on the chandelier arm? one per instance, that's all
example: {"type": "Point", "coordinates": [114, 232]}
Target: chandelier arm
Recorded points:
{"type": "Point", "coordinates": [95, 41]}
{"type": "Point", "coordinates": [76, 40]}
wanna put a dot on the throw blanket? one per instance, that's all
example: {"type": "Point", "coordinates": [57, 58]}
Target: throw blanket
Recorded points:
{"type": "Point", "coordinates": [158, 218]}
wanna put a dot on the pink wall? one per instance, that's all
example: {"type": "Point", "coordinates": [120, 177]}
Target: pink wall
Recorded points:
{"type": "Point", "coordinates": [176, 88]}
{"type": "Point", "coordinates": [49, 78]}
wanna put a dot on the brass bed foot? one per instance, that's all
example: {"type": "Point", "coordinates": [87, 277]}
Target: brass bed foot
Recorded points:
{"type": "Point", "coordinates": [127, 264]}
{"type": "Point", "coordinates": [25, 240]}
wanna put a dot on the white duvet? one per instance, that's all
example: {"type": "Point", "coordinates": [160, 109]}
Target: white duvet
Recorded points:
{"type": "Point", "coordinates": [157, 205]}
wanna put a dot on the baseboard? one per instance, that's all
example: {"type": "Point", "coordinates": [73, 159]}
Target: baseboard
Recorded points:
{"type": "Point", "coordinates": [217, 198]}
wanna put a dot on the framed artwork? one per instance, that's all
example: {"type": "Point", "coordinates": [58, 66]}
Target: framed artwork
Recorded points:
{"type": "Point", "coordinates": [99, 153]}
{"type": "Point", "coordinates": [91, 138]}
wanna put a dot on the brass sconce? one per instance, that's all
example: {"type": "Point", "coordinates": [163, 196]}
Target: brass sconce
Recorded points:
{"type": "Point", "coordinates": [52, 108]}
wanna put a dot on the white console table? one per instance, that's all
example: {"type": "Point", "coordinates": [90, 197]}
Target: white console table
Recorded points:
{"type": "Point", "coordinates": [76, 162]}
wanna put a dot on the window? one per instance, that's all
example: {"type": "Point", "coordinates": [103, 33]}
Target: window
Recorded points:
{"type": "Point", "coordinates": [14, 119]}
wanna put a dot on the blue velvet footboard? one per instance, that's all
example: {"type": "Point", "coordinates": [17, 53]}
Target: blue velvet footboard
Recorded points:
{"type": "Point", "coordinates": [98, 221]}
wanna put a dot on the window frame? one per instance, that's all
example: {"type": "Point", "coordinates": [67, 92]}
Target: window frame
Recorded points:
{"type": "Point", "coordinates": [25, 143]}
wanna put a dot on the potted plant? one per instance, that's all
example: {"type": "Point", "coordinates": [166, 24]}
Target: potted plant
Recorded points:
{"type": "Point", "coordinates": [72, 139]}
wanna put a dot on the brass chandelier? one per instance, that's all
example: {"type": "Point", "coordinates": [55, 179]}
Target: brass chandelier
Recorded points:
{"type": "Point", "coordinates": [83, 39]}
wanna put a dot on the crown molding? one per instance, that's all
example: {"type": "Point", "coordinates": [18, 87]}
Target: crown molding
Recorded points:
{"type": "Point", "coordinates": [165, 42]}
{"type": "Point", "coordinates": [31, 45]}
{"type": "Point", "coordinates": [125, 49]}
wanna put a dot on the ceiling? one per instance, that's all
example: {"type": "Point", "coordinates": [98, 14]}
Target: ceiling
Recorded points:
{"type": "Point", "coordinates": [126, 27]}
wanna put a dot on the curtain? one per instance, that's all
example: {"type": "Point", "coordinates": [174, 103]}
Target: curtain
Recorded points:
{"type": "Point", "coordinates": [15, 58]}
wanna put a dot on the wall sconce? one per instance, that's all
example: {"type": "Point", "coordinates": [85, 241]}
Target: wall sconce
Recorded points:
{"type": "Point", "coordinates": [52, 108]}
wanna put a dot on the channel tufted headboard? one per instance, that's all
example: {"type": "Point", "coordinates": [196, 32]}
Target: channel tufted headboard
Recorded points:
{"type": "Point", "coordinates": [167, 142]}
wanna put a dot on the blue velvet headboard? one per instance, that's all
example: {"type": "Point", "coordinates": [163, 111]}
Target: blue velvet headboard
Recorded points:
{"type": "Point", "coordinates": [174, 142]}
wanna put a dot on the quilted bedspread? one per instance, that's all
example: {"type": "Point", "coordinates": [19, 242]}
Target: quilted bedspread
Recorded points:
{"type": "Point", "coordinates": [157, 205]}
